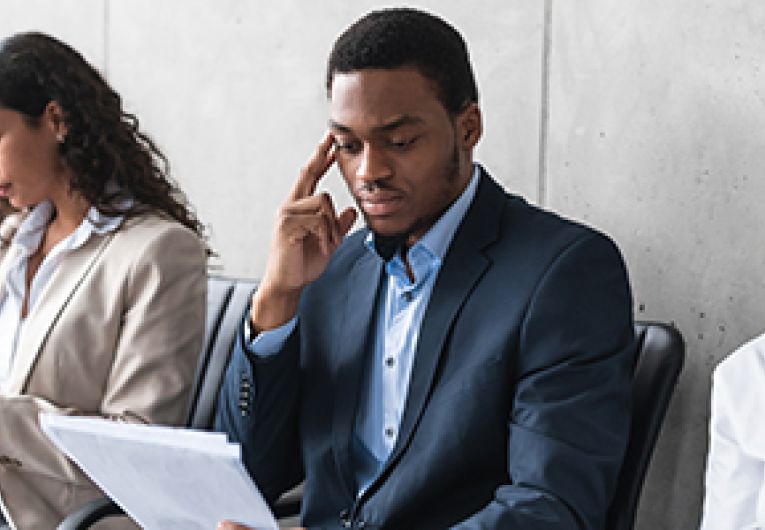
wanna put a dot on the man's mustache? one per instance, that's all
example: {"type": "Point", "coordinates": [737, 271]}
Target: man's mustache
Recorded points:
{"type": "Point", "coordinates": [373, 186]}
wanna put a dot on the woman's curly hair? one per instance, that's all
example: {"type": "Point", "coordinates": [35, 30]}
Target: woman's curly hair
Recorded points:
{"type": "Point", "coordinates": [117, 168]}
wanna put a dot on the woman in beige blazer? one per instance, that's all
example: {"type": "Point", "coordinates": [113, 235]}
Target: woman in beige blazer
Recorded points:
{"type": "Point", "coordinates": [102, 273]}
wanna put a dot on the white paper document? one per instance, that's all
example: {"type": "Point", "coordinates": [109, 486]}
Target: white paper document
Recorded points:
{"type": "Point", "coordinates": [165, 478]}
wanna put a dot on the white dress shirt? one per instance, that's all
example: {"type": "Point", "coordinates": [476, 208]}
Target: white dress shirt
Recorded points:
{"type": "Point", "coordinates": [28, 238]}
{"type": "Point", "coordinates": [735, 477]}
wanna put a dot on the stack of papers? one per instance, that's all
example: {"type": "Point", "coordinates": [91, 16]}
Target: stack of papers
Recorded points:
{"type": "Point", "coordinates": [165, 478]}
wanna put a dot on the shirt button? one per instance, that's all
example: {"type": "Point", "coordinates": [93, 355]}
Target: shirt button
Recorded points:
{"type": "Point", "coordinates": [389, 362]}
{"type": "Point", "coordinates": [408, 296]}
{"type": "Point", "coordinates": [389, 432]}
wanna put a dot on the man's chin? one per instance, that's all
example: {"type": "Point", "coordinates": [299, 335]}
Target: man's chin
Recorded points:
{"type": "Point", "coordinates": [394, 228]}
{"type": "Point", "coordinates": [388, 230]}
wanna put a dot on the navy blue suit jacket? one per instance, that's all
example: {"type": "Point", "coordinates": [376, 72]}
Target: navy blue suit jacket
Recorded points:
{"type": "Point", "coordinates": [519, 404]}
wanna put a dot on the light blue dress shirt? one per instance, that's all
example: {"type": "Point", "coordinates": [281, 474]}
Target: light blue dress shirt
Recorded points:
{"type": "Point", "coordinates": [397, 328]}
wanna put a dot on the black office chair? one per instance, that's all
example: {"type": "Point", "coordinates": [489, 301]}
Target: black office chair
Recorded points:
{"type": "Point", "coordinates": [660, 357]}
{"type": "Point", "coordinates": [658, 364]}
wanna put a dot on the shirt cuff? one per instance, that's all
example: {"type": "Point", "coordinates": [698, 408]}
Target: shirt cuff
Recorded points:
{"type": "Point", "coordinates": [268, 342]}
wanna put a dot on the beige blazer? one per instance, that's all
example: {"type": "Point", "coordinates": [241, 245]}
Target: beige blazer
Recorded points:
{"type": "Point", "coordinates": [116, 333]}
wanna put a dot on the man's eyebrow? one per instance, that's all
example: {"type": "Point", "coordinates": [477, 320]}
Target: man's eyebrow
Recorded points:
{"type": "Point", "coordinates": [407, 119]}
{"type": "Point", "coordinates": [392, 125]}
{"type": "Point", "coordinates": [339, 127]}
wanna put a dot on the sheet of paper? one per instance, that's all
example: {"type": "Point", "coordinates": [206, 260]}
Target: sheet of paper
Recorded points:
{"type": "Point", "coordinates": [164, 478]}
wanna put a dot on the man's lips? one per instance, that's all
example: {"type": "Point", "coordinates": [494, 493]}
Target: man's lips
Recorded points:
{"type": "Point", "coordinates": [380, 204]}
{"type": "Point", "coordinates": [5, 189]}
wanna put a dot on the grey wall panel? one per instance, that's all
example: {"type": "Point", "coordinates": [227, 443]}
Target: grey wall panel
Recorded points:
{"type": "Point", "coordinates": [656, 135]}
{"type": "Point", "coordinates": [234, 93]}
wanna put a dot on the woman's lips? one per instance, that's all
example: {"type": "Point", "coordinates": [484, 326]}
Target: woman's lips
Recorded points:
{"type": "Point", "coordinates": [376, 206]}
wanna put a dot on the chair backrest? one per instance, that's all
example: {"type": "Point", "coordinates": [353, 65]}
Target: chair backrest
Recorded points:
{"type": "Point", "coordinates": [227, 300]}
{"type": "Point", "coordinates": [218, 293]}
{"type": "Point", "coordinates": [659, 360]}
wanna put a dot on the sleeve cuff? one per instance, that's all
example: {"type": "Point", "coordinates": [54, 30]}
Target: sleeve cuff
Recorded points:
{"type": "Point", "coordinates": [268, 342]}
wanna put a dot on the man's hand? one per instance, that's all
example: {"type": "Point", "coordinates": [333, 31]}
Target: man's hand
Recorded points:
{"type": "Point", "coordinates": [230, 525]}
{"type": "Point", "coordinates": [307, 233]}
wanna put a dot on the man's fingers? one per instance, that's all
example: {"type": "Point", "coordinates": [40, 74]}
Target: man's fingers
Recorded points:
{"type": "Point", "coordinates": [323, 230]}
{"type": "Point", "coordinates": [345, 220]}
{"type": "Point", "coordinates": [231, 525]}
{"type": "Point", "coordinates": [317, 204]}
{"type": "Point", "coordinates": [314, 170]}
{"type": "Point", "coordinates": [328, 208]}
{"type": "Point", "coordinates": [297, 227]}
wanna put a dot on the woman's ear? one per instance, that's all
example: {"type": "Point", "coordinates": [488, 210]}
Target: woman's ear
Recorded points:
{"type": "Point", "coordinates": [53, 119]}
{"type": "Point", "coordinates": [469, 126]}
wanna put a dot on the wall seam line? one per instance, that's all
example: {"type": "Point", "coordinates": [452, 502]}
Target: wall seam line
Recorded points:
{"type": "Point", "coordinates": [544, 115]}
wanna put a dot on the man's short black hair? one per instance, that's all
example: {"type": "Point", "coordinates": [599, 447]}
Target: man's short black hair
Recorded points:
{"type": "Point", "coordinates": [404, 37]}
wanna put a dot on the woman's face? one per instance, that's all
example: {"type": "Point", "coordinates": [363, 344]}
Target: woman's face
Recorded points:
{"type": "Point", "coordinates": [28, 160]}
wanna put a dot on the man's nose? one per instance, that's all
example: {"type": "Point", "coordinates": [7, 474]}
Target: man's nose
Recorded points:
{"type": "Point", "coordinates": [373, 165]}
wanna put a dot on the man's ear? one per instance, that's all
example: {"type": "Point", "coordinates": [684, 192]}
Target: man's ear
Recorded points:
{"type": "Point", "coordinates": [469, 126]}
{"type": "Point", "coordinates": [53, 119]}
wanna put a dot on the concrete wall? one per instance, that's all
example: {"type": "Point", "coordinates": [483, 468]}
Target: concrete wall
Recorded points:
{"type": "Point", "coordinates": [656, 135]}
{"type": "Point", "coordinates": [234, 91]}
{"type": "Point", "coordinates": [643, 118]}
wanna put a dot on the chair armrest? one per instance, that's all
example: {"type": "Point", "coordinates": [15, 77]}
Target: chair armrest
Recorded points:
{"type": "Point", "coordinates": [90, 513]}
{"type": "Point", "coordinates": [286, 508]}
{"type": "Point", "coordinates": [288, 505]}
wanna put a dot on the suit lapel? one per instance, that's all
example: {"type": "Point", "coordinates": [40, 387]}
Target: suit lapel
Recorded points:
{"type": "Point", "coordinates": [61, 286]}
{"type": "Point", "coordinates": [464, 265]}
{"type": "Point", "coordinates": [350, 356]}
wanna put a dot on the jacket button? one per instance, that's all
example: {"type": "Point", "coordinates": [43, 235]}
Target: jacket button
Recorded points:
{"type": "Point", "coordinates": [345, 519]}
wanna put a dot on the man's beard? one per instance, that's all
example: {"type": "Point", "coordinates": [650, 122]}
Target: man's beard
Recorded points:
{"type": "Point", "coordinates": [388, 245]}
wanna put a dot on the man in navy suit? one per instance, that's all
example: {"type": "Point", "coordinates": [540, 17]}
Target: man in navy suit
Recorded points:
{"type": "Point", "coordinates": [462, 361]}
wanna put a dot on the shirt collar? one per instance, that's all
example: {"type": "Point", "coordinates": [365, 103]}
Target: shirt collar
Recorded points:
{"type": "Point", "coordinates": [437, 239]}
{"type": "Point", "coordinates": [32, 228]}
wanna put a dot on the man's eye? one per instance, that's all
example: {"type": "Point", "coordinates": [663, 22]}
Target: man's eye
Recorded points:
{"type": "Point", "coordinates": [347, 147]}
{"type": "Point", "coordinates": [403, 143]}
